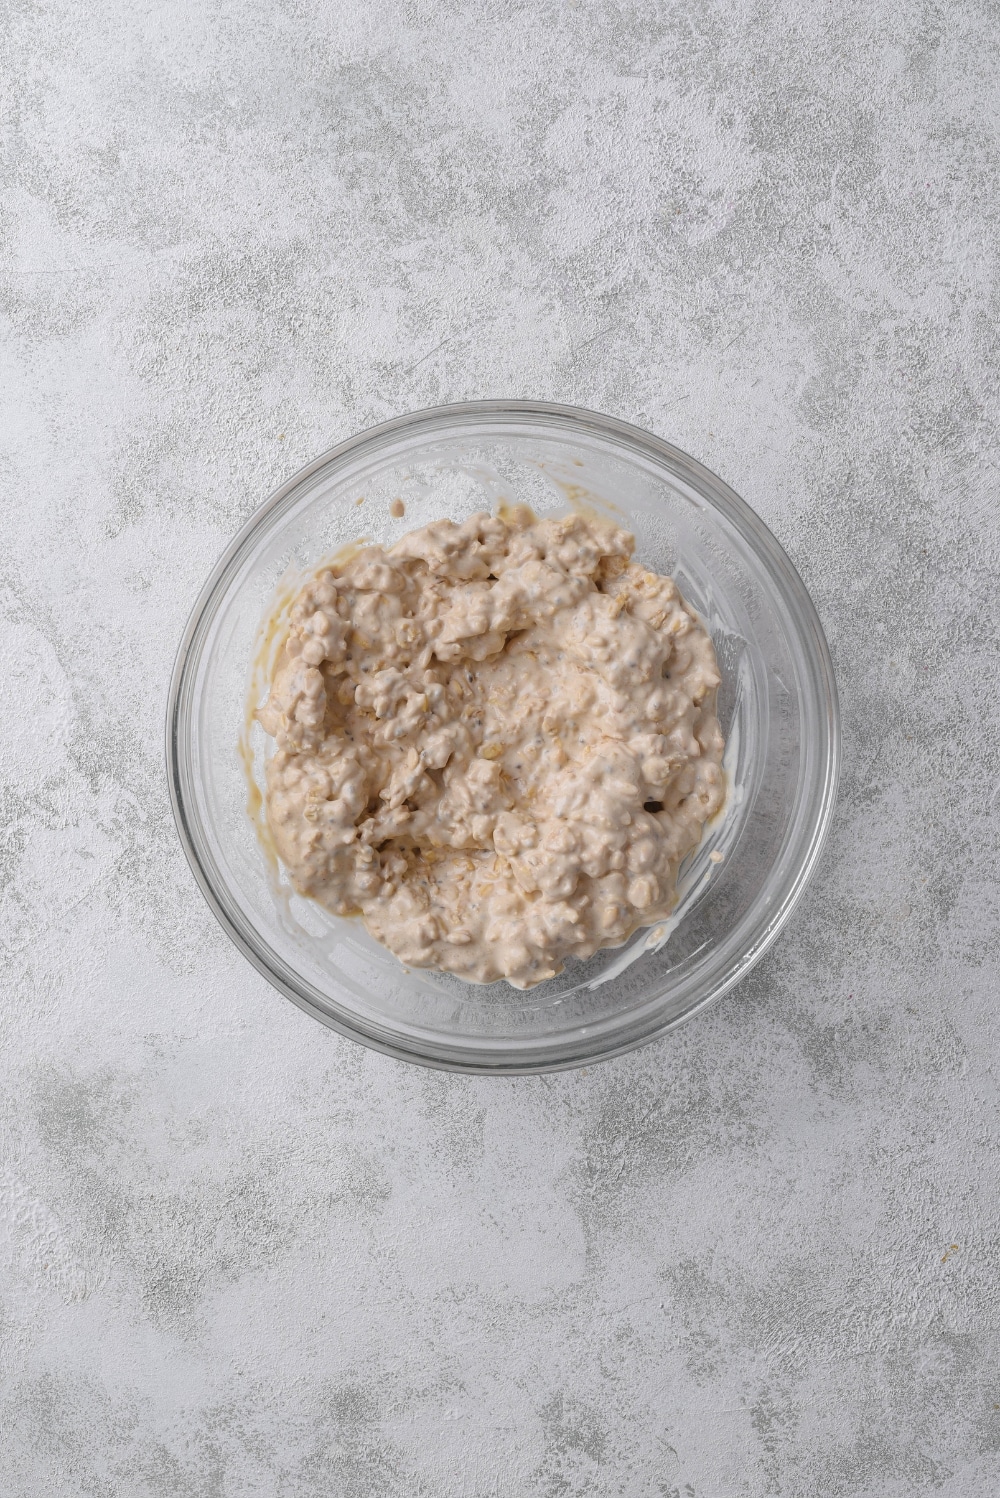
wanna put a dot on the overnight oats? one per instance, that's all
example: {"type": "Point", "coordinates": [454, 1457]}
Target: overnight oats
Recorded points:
{"type": "Point", "coordinates": [495, 742]}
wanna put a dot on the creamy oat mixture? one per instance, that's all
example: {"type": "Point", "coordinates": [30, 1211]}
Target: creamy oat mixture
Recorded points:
{"type": "Point", "coordinates": [496, 742]}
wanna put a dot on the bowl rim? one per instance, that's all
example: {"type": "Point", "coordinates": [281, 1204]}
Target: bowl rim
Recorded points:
{"type": "Point", "coordinates": [708, 485]}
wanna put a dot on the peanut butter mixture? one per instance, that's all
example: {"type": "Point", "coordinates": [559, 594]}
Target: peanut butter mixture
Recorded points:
{"type": "Point", "coordinates": [496, 742]}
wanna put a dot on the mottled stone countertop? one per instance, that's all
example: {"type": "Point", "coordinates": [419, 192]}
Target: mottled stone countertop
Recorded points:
{"type": "Point", "coordinates": [242, 1256]}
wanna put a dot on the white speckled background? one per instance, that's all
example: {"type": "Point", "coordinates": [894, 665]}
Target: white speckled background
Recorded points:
{"type": "Point", "coordinates": [240, 1256]}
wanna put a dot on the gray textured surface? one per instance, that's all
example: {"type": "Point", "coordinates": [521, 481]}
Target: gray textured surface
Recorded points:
{"type": "Point", "coordinates": [241, 1256]}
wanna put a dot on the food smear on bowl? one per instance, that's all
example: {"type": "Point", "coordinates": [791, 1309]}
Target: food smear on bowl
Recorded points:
{"type": "Point", "coordinates": [495, 742]}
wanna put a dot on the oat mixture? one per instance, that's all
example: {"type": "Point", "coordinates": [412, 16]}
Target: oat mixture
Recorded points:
{"type": "Point", "coordinates": [496, 742]}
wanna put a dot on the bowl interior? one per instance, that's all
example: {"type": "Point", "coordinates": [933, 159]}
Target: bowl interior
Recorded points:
{"type": "Point", "coordinates": [775, 713]}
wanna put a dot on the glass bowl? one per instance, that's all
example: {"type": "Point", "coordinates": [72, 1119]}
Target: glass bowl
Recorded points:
{"type": "Point", "coordinates": [777, 706]}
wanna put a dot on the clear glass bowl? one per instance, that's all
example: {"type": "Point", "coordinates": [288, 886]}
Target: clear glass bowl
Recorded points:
{"type": "Point", "coordinates": [777, 703]}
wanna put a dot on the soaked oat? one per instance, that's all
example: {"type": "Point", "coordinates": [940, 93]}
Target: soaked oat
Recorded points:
{"type": "Point", "coordinates": [496, 742]}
